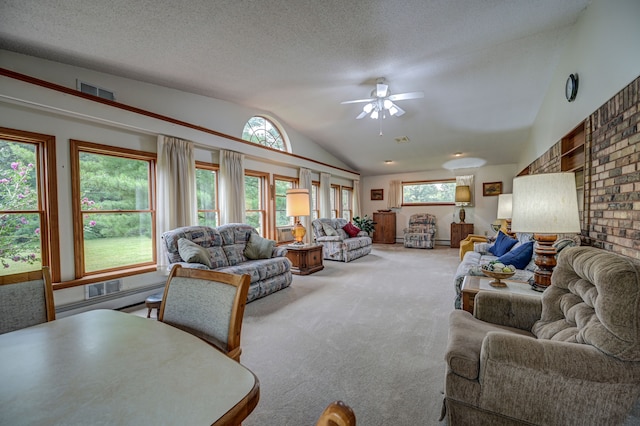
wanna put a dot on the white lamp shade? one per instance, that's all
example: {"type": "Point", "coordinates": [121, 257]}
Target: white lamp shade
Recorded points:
{"type": "Point", "coordinates": [298, 202]}
{"type": "Point", "coordinates": [545, 204]}
{"type": "Point", "coordinates": [505, 202]}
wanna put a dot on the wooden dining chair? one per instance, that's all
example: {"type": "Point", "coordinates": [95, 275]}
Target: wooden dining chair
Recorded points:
{"type": "Point", "coordinates": [337, 414]}
{"type": "Point", "coordinates": [208, 304]}
{"type": "Point", "coordinates": [26, 299]}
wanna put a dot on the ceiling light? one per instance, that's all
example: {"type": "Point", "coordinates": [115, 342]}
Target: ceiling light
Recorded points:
{"type": "Point", "coordinates": [374, 115]}
{"type": "Point", "coordinates": [393, 110]}
{"type": "Point", "coordinates": [457, 154]}
{"type": "Point", "coordinates": [388, 161]}
{"type": "Point", "coordinates": [387, 104]}
{"type": "Point", "coordinates": [368, 108]}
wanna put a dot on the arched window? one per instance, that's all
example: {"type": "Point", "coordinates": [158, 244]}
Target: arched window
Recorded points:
{"type": "Point", "coordinates": [263, 132]}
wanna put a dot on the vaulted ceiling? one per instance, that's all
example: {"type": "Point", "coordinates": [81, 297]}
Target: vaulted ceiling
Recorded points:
{"type": "Point", "coordinates": [484, 66]}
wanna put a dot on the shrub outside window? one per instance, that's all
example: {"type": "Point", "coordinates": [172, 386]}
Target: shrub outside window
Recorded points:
{"type": "Point", "coordinates": [429, 192]}
{"type": "Point", "coordinates": [114, 216]}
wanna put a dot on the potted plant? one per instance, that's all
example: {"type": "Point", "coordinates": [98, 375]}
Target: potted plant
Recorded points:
{"type": "Point", "coordinates": [365, 223]}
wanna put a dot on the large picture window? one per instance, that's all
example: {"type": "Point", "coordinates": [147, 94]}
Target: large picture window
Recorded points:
{"type": "Point", "coordinates": [27, 198]}
{"type": "Point", "coordinates": [207, 194]}
{"type": "Point", "coordinates": [114, 215]}
{"type": "Point", "coordinates": [429, 192]}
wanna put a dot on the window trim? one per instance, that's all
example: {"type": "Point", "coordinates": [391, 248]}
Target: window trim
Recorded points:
{"type": "Point", "coordinates": [349, 189]}
{"type": "Point", "coordinates": [47, 194]}
{"type": "Point", "coordinates": [264, 196]}
{"type": "Point", "coordinates": [214, 168]}
{"type": "Point", "coordinates": [82, 276]}
{"type": "Point", "coordinates": [447, 180]}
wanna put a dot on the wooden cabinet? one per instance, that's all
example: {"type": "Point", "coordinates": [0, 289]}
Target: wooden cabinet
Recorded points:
{"type": "Point", "coordinates": [305, 260]}
{"type": "Point", "coordinates": [459, 232]}
{"type": "Point", "coordinates": [384, 228]}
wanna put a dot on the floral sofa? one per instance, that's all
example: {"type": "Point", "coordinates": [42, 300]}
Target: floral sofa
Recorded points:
{"type": "Point", "coordinates": [421, 232]}
{"type": "Point", "coordinates": [340, 246]}
{"type": "Point", "coordinates": [226, 251]}
{"type": "Point", "coordinates": [473, 260]}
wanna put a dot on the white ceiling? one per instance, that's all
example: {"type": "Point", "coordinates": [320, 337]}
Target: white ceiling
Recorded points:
{"type": "Point", "coordinates": [484, 66]}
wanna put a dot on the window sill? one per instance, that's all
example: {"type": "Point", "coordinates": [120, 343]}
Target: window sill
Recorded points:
{"type": "Point", "coordinates": [90, 279]}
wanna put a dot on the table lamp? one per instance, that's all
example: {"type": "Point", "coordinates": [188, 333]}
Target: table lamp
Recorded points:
{"type": "Point", "coordinates": [545, 204]}
{"type": "Point", "coordinates": [463, 198]}
{"type": "Point", "coordinates": [505, 203]}
{"type": "Point", "coordinates": [297, 206]}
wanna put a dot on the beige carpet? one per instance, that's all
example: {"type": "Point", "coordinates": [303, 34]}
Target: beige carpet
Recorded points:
{"type": "Point", "coordinates": [371, 332]}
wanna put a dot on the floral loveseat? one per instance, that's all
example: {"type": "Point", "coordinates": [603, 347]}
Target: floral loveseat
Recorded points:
{"type": "Point", "coordinates": [226, 250]}
{"type": "Point", "coordinates": [473, 260]}
{"type": "Point", "coordinates": [340, 246]}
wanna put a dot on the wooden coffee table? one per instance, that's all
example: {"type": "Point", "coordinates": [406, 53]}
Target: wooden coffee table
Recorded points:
{"type": "Point", "coordinates": [473, 284]}
{"type": "Point", "coordinates": [306, 259]}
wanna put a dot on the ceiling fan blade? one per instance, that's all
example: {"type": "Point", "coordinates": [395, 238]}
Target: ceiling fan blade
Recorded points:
{"type": "Point", "coordinates": [381, 90]}
{"type": "Point", "coordinates": [400, 110]}
{"type": "Point", "coordinates": [358, 101]}
{"type": "Point", "coordinates": [363, 114]}
{"type": "Point", "coordinates": [405, 96]}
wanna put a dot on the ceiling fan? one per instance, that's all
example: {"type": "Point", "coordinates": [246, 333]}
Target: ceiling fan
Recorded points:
{"type": "Point", "coordinates": [381, 103]}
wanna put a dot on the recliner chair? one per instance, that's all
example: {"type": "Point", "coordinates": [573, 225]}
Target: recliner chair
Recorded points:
{"type": "Point", "coordinates": [570, 358]}
{"type": "Point", "coordinates": [421, 232]}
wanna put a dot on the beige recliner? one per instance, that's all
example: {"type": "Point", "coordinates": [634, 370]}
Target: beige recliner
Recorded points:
{"type": "Point", "coordinates": [571, 358]}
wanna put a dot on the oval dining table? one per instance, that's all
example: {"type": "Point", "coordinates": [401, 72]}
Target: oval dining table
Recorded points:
{"type": "Point", "coordinates": [107, 367]}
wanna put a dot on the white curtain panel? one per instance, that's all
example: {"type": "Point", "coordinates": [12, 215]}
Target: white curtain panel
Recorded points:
{"type": "Point", "coordinates": [325, 195]}
{"type": "Point", "coordinates": [232, 207]}
{"type": "Point", "coordinates": [305, 183]}
{"type": "Point", "coordinates": [395, 194]}
{"type": "Point", "coordinates": [356, 198]}
{"type": "Point", "coordinates": [468, 181]}
{"type": "Point", "coordinates": [176, 190]}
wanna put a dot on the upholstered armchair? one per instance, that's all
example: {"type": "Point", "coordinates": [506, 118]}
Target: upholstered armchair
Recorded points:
{"type": "Point", "coordinates": [570, 358]}
{"type": "Point", "coordinates": [421, 232]}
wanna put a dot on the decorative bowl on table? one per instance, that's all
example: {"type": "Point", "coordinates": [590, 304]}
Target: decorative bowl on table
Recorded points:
{"type": "Point", "coordinates": [498, 272]}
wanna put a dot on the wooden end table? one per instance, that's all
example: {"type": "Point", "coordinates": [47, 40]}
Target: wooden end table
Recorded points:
{"type": "Point", "coordinates": [473, 284]}
{"type": "Point", "coordinates": [306, 259]}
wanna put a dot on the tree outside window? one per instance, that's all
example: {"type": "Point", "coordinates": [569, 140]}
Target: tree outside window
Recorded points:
{"type": "Point", "coordinates": [207, 195]}
{"type": "Point", "coordinates": [429, 192]}
{"type": "Point", "coordinates": [263, 132]}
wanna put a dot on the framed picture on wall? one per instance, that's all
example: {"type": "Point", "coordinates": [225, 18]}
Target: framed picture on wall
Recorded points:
{"type": "Point", "coordinates": [490, 189]}
{"type": "Point", "coordinates": [377, 194]}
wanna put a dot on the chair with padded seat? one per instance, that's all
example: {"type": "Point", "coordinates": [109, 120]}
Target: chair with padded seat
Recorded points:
{"type": "Point", "coordinates": [208, 304]}
{"type": "Point", "coordinates": [570, 358]}
{"type": "Point", "coordinates": [337, 414]}
{"type": "Point", "coordinates": [421, 232]}
{"type": "Point", "coordinates": [26, 299]}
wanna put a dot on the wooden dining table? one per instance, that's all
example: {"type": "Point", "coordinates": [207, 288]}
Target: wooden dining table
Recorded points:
{"type": "Point", "coordinates": [108, 367]}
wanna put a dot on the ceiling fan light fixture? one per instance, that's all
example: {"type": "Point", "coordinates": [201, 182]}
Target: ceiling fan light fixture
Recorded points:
{"type": "Point", "coordinates": [387, 104]}
{"type": "Point", "coordinates": [393, 110]}
{"type": "Point", "coordinates": [374, 115]}
{"type": "Point", "coordinates": [368, 108]}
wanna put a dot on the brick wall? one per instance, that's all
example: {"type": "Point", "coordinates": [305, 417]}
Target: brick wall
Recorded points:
{"type": "Point", "coordinates": [611, 217]}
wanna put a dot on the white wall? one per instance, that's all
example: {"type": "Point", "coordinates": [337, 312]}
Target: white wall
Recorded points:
{"type": "Point", "coordinates": [482, 214]}
{"type": "Point", "coordinates": [603, 50]}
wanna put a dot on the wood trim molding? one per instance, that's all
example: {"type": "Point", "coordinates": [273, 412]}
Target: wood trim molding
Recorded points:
{"type": "Point", "coordinates": [66, 90]}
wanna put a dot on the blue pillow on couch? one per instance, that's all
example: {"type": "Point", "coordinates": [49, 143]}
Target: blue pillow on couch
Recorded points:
{"type": "Point", "coordinates": [502, 245]}
{"type": "Point", "coordinates": [519, 256]}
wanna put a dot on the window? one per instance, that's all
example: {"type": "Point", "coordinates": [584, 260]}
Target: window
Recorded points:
{"type": "Point", "coordinates": [263, 132]}
{"type": "Point", "coordinates": [315, 203]}
{"type": "Point", "coordinates": [207, 194]}
{"type": "Point", "coordinates": [254, 199]}
{"type": "Point", "coordinates": [347, 203]}
{"type": "Point", "coordinates": [28, 232]}
{"type": "Point", "coordinates": [429, 192]}
{"type": "Point", "coordinates": [335, 201]}
{"type": "Point", "coordinates": [284, 223]}
{"type": "Point", "coordinates": [114, 216]}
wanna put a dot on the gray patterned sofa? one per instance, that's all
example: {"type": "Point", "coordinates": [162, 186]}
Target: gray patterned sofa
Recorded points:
{"type": "Point", "coordinates": [473, 261]}
{"type": "Point", "coordinates": [421, 232]}
{"type": "Point", "coordinates": [225, 246]}
{"type": "Point", "coordinates": [340, 246]}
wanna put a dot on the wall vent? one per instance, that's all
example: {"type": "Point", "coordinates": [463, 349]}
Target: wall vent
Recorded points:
{"type": "Point", "coordinates": [102, 289]}
{"type": "Point", "coordinates": [95, 90]}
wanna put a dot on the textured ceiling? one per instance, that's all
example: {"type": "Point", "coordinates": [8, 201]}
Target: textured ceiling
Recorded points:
{"type": "Point", "coordinates": [484, 66]}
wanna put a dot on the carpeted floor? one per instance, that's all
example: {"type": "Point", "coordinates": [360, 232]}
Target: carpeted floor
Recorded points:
{"type": "Point", "coordinates": [371, 332]}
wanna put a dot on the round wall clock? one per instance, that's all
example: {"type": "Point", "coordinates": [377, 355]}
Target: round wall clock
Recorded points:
{"type": "Point", "coordinates": [571, 87]}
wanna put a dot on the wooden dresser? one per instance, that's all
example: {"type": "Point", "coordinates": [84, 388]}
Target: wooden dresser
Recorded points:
{"type": "Point", "coordinates": [384, 228]}
{"type": "Point", "coordinates": [459, 232]}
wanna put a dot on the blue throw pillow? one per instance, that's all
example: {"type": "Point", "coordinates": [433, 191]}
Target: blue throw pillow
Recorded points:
{"type": "Point", "coordinates": [502, 245]}
{"type": "Point", "coordinates": [518, 257]}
